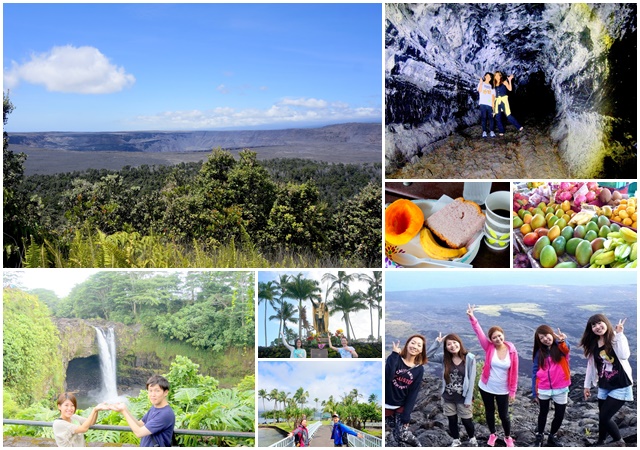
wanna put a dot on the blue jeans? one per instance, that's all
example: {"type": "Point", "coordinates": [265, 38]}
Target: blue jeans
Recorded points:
{"type": "Point", "coordinates": [510, 118]}
{"type": "Point", "coordinates": [486, 118]}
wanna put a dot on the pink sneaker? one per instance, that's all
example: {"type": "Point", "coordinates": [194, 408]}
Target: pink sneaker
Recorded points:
{"type": "Point", "coordinates": [509, 441]}
{"type": "Point", "coordinates": [492, 440]}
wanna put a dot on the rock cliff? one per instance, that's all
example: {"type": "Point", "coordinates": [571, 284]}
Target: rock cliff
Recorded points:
{"type": "Point", "coordinates": [574, 67]}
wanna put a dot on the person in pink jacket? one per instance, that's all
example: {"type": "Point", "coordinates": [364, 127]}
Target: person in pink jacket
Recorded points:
{"type": "Point", "coordinates": [499, 378]}
{"type": "Point", "coordinates": [551, 378]}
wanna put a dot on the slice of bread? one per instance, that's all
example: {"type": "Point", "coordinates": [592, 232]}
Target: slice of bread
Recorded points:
{"type": "Point", "coordinates": [457, 223]}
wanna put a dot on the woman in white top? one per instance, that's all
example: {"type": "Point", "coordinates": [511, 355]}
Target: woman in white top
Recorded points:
{"type": "Point", "coordinates": [70, 427]}
{"type": "Point", "coordinates": [345, 351]}
{"type": "Point", "coordinates": [298, 351]}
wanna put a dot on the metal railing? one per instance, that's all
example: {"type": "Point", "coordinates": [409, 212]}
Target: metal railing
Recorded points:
{"type": "Point", "coordinates": [239, 434]}
{"type": "Point", "coordinates": [290, 441]}
{"type": "Point", "coordinates": [367, 440]}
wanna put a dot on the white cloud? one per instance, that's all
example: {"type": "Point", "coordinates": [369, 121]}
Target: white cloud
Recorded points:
{"type": "Point", "coordinates": [288, 111]}
{"type": "Point", "coordinates": [222, 89]}
{"type": "Point", "coordinates": [304, 102]}
{"type": "Point", "coordinates": [68, 69]}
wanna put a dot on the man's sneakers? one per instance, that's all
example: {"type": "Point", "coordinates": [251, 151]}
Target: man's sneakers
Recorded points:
{"type": "Point", "coordinates": [492, 440]}
{"type": "Point", "coordinates": [492, 134]}
{"type": "Point", "coordinates": [484, 134]}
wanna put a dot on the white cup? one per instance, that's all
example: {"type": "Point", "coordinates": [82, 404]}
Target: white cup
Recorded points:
{"type": "Point", "coordinates": [499, 201]}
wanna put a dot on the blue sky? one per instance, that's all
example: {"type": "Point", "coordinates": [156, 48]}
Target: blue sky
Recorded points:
{"type": "Point", "coordinates": [361, 320]}
{"type": "Point", "coordinates": [321, 378]}
{"type": "Point", "coordinates": [410, 280]}
{"type": "Point", "coordinates": [118, 67]}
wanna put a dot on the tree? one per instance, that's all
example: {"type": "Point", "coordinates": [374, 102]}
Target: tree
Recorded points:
{"type": "Point", "coordinates": [286, 313]}
{"type": "Point", "coordinates": [300, 288]}
{"type": "Point", "coordinates": [340, 281]}
{"type": "Point", "coordinates": [267, 293]}
{"type": "Point", "coordinates": [262, 393]}
{"type": "Point", "coordinates": [346, 303]}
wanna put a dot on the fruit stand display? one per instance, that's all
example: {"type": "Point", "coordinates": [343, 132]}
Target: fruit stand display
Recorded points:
{"type": "Point", "coordinates": [571, 225]}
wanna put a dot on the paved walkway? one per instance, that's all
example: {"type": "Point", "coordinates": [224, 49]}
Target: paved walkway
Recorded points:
{"type": "Point", "coordinates": [322, 438]}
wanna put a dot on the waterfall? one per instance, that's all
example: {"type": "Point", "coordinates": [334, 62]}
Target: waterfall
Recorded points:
{"type": "Point", "coordinates": [107, 348]}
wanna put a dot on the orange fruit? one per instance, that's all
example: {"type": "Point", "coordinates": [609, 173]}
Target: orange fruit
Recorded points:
{"type": "Point", "coordinates": [634, 216]}
{"type": "Point", "coordinates": [526, 228]}
{"type": "Point", "coordinates": [623, 214]}
{"type": "Point", "coordinates": [627, 221]}
{"type": "Point", "coordinates": [630, 210]}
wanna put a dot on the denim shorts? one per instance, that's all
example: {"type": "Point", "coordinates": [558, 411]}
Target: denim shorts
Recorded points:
{"type": "Point", "coordinates": [558, 396]}
{"type": "Point", "coordinates": [625, 394]}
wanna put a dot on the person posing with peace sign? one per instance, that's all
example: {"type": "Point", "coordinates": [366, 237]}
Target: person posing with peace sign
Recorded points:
{"type": "Point", "coordinates": [551, 378]}
{"type": "Point", "coordinates": [499, 378]}
{"type": "Point", "coordinates": [607, 351]}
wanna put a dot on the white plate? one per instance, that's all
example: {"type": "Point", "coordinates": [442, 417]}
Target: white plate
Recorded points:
{"type": "Point", "coordinates": [414, 248]}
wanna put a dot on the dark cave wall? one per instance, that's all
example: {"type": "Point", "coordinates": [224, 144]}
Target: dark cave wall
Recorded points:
{"type": "Point", "coordinates": [571, 64]}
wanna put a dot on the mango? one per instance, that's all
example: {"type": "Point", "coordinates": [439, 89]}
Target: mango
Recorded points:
{"type": "Point", "coordinates": [559, 245]}
{"type": "Point", "coordinates": [548, 216]}
{"type": "Point", "coordinates": [592, 226]}
{"type": "Point", "coordinates": [553, 233]}
{"type": "Point", "coordinates": [537, 211]}
{"type": "Point", "coordinates": [567, 232]}
{"type": "Point", "coordinates": [542, 205]}
{"type": "Point", "coordinates": [530, 239]}
{"type": "Point", "coordinates": [590, 235]}
{"type": "Point", "coordinates": [527, 218]}
{"type": "Point", "coordinates": [526, 228]}
{"type": "Point", "coordinates": [552, 221]}
{"type": "Point", "coordinates": [538, 221]}
{"type": "Point", "coordinates": [604, 231]}
{"type": "Point", "coordinates": [517, 222]}
{"type": "Point", "coordinates": [602, 221]}
{"type": "Point", "coordinates": [542, 231]}
{"type": "Point", "coordinates": [614, 227]}
{"type": "Point", "coordinates": [521, 212]}
{"type": "Point", "coordinates": [561, 223]}
{"type": "Point", "coordinates": [566, 265]}
{"type": "Point", "coordinates": [572, 244]}
{"type": "Point", "coordinates": [550, 209]}
{"type": "Point", "coordinates": [583, 252]}
{"type": "Point", "coordinates": [539, 245]}
{"type": "Point", "coordinates": [579, 231]}
{"type": "Point", "coordinates": [597, 244]}
{"type": "Point", "coordinates": [566, 205]}
{"type": "Point", "coordinates": [548, 257]}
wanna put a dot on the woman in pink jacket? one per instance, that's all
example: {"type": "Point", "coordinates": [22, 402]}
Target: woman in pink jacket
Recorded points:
{"type": "Point", "coordinates": [551, 378]}
{"type": "Point", "coordinates": [499, 378]}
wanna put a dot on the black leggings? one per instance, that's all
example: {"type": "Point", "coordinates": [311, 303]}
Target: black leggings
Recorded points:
{"type": "Point", "coordinates": [558, 415]}
{"type": "Point", "coordinates": [608, 408]}
{"type": "Point", "coordinates": [490, 401]}
{"type": "Point", "coordinates": [454, 431]}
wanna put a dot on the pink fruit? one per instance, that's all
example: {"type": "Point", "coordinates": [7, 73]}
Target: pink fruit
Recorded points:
{"type": "Point", "coordinates": [530, 239]}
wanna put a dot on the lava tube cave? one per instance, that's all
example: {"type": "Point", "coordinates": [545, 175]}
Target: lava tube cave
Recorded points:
{"type": "Point", "coordinates": [574, 90]}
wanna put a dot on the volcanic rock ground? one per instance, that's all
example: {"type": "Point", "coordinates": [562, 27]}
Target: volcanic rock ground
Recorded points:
{"type": "Point", "coordinates": [465, 154]}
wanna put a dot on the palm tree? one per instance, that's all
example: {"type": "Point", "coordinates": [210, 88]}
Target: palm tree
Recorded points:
{"type": "Point", "coordinates": [346, 303]}
{"type": "Point", "coordinates": [340, 281]}
{"type": "Point", "coordinates": [273, 395]}
{"type": "Point", "coordinates": [285, 314]}
{"type": "Point", "coordinates": [266, 293]}
{"type": "Point", "coordinates": [373, 398]}
{"type": "Point", "coordinates": [300, 288]}
{"type": "Point", "coordinates": [370, 299]}
{"type": "Point", "coordinates": [316, 402]}
{"type": "Point", "coordinates": [374, 290]}
{"type": "Point", "coordinates": [262, 393]}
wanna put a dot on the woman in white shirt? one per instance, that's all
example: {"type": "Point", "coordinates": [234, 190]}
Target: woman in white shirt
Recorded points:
{"type": "Point", "coordinates": [70, 427]}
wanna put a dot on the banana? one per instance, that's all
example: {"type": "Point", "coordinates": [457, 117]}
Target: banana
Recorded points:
{"type": "Point", "coordinates": [597, 253]}
{"type": "Point", "coordinates": [629, 235]}
{"type": "Point", "coordinates": [580, 218]}
{"type": "Point", "coordinates": [605, 258]}
{"type": "Point", "coordinates": [435, 250]}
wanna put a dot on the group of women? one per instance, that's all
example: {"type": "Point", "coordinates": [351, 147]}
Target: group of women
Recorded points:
{"type": "Point", "coordinates": [494, 102]}
{"type": "Point", "coordinates": [345, 350]}
{"type": "Point", "coordinates": [605, 347]}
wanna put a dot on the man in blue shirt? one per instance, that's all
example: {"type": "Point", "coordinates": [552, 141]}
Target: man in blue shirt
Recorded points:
{"type": "Point", "coordinates": [155, 429]}
{"type": "Point", "coordinates": [338, 429]}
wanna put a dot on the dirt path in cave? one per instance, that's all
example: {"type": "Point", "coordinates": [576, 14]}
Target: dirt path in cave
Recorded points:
{"type": "Point", "coordinates": [530, 154]}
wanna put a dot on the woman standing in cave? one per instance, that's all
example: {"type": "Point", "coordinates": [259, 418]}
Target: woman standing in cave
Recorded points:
{"type": "Point", "coordinates": [69, 428]}
{"type": "Point", "coordinates": [501, 103]}
{"type": "Point", "coordinates": [607, 351]}
{"type": "Point", "coordinates": [499, 379]}
{"type": "Point", "coordinates": [487, 99]}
